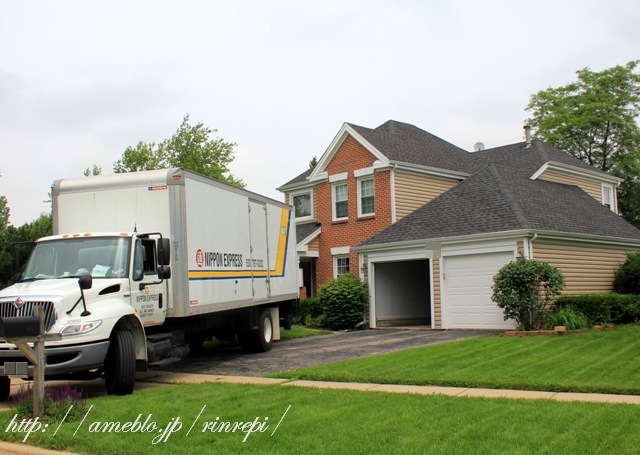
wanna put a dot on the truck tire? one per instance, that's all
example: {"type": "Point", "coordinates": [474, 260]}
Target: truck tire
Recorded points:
{"type": "Point", "coordinates": [120, 364]}
{"type": "Point", "coordinates": [261, 339]}
{"type": "Point", "coordinates": [5, 388]}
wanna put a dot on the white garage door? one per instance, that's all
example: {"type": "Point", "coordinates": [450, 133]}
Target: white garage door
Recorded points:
{"type": "Point", "coordinates": [466, 297]}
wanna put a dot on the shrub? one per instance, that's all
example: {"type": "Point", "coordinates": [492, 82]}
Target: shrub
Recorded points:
{"type": "Point", "coordinates": [600, 308]}
{"type": "Point", "coordinates": [627, 280]}
{"type": "Point", "coordinates": [524, 289]}
{"type": "Point", "coordinates": [569, 317]}
{"type": "Point", "coordinates": [309, 308]}
{"type": "Point", "coordinates": [344, 300]}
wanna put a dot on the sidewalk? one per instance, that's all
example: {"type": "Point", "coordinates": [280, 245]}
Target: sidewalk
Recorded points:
{"type": "Point", "coordinates": [161, 378]}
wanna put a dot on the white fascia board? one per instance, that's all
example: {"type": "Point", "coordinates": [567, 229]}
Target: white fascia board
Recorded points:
{"type": "Point", "coordinates": [438, 243]}
{"type": "Point", "coordinates": [345, 131]}
{"type": "Point", "coordinates": [295, 187]}
{"type": "Point", "coordinates": [416, 168]}
{"type": "Point", "coordinates": [577, 171]}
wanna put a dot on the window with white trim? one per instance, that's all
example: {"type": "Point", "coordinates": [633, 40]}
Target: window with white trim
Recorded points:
{"type": "Point", "coordinates": [608, 197]}
{"type": "Point", "coordinates": [340, 201]}
{"type": "Point", "coordinates": [366, 197]}
{"type": "Point", "coordinates": [302, 205]}
{"type": "Point", "coordinates": [340, 265]}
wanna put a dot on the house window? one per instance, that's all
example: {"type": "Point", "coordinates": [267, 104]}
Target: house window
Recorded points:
{"type": "Point", "coordinates": [340, 265]}
{"type": "Point", "coordinates": [366, 197]}
{"type": "Point", "coordinates": [340, 207]}
{"type": "Point", "coordinates": [302, 205]}
{"type": "Point", "coordinates": [607, 197]}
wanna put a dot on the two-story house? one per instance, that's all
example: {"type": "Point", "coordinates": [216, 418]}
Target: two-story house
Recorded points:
{"type": "Point", "coordinates": [429, 224]}
{"type": "Point", "coordinates": [366, 180]}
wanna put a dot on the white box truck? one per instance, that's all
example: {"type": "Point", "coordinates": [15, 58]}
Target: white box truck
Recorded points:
{"type": "Point", "coordinates": [144, 266]}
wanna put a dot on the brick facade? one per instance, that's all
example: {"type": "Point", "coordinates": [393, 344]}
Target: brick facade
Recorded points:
{"type": "Point", "coordinates": [350, 157]}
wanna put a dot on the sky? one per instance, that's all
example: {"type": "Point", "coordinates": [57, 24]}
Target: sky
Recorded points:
{"type": "Point", "coordinates": [80, 81]}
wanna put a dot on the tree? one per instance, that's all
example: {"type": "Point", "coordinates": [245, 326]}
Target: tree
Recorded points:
{"type": "Point", "coordinates": [23, 236]}
{"type": "Point", "coordinates": [594, 119]}
{"type": "Point", "coordinates": [95, 170]}
{"type": "Point", "coordinates": [191, 147]}
{"type": "Point", "coordinates": [313, 163]}
{"type": "Point", "coordinates": [524, 289]}
{"type": "Point", "coordinates": [4, 213]}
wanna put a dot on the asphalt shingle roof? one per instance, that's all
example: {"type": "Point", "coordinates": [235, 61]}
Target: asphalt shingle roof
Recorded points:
{"type": "Point", "coordinates": [502, 198]}
{"type": "Point", "coordinates": [406, 143]}
{"type": "Point", "coordinates": [304, 230]}
{"type": "Point", "coordinates": [409, 144]}
{"type": "Point", "coordinates": [499, 195]}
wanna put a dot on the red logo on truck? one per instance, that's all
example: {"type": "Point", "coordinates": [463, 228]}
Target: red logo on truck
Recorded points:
{"type": "Point", "coordinates": [199, 258]}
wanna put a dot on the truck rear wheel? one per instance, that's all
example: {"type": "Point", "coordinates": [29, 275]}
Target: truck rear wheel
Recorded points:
{"type": "Point", "coordinates": [120, 364]}
{"type": "Point", "coordinates": [5, 388]}
{"type": "Point", "coordinates": [261, 339]}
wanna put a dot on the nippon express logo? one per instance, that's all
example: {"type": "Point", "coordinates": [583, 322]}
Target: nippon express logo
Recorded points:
{"type": "Point", "coordinates": [218, 259]}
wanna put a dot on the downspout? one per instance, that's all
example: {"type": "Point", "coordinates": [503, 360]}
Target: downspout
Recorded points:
{"type": "Point", "coordinates": [392, 184]}
{"type": "Point", "coordinates": [530, 241]}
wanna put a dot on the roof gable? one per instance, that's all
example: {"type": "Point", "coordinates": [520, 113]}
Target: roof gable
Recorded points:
{"type": "Point", "coordinates": [393, 143]}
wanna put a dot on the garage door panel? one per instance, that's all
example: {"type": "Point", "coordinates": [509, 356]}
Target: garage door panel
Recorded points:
{"type": "Point", "coordinates": [467, 291]}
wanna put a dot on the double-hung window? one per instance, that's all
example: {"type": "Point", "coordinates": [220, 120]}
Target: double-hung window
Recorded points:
{"type": "Point", "coordinates": [341, 266]}
{"type": "Point", "coordinates": [366, 197]}
{"type": "Point", "coordinates": [340, 201]}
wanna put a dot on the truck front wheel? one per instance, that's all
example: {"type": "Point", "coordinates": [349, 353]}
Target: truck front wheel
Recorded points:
{"type": "Point", "coordinates": [120, 364]}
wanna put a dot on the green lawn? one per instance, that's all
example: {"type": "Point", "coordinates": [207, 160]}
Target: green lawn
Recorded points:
{"type": "Point", "coordinates": [339, 422]}
{"type": "Point", "coordinates": [593, 361]}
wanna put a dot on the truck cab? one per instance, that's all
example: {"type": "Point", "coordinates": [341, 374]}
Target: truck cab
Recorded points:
{"type": "Point", "coordinates": [99, 291]}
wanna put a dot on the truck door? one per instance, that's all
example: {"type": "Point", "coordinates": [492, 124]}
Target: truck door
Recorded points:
{"type": "Point", "coordinates": [259, 250]}
{"type": "Point", "coordinates": [148, 294]}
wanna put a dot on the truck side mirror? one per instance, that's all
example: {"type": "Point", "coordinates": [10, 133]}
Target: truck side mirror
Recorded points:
{"type": "Point", "coordinates": [164, 272]}
{"type": "Point", "coordinates": [85, 281]}
{"type": "Point", "coordinates": [164, 251]}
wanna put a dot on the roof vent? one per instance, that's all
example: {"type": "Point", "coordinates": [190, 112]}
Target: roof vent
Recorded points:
{"type": "Point", "coordinates": [478, 147]}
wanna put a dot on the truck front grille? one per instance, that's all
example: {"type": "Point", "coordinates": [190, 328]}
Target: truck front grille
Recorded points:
{"type": "Point", "coordinates": [10, 310]}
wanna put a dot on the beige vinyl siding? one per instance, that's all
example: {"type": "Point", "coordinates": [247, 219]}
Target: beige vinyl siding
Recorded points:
{"type": "Point", "coordinates": [437, 313]}
{"type": "Point", "coordinates": [591, 187]}
{"type": "Point", "coordinates": [587, 269]}
{"type": "Point", "coordinates": [314, 245]}
{"type": "Point", "coordinates": [415, 190]}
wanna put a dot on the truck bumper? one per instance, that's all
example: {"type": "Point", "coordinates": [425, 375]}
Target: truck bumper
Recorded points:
{"type": "Point", "coordinates": [60, 360]}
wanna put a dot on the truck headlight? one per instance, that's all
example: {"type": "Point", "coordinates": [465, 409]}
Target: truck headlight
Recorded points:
{"type": "Point", "coordinates": [80, 328]}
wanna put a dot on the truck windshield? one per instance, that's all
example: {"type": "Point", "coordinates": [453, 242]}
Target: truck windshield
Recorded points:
{"type": "Point", "coordinates": [102, 257]}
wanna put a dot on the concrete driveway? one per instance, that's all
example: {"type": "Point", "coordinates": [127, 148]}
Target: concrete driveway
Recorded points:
{"type": "Point", "coordinates": [303, 352]}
